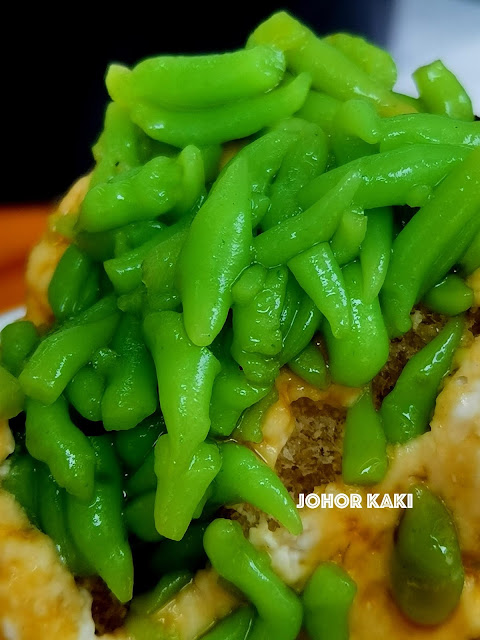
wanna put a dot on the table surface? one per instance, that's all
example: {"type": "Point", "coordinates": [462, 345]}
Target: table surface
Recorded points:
{"type": "Point", "coordinates": [21, 227]}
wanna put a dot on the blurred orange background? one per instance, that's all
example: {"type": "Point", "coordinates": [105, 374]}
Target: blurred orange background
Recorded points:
{"type": "Point", "coordinates": [21, 227]}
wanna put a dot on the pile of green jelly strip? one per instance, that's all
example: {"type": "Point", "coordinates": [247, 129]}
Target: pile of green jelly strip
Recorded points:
{"type": "Point", "coordinates": [197, 270]}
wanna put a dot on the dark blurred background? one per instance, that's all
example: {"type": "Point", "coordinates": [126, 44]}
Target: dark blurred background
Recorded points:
{"type": "Point", "coordinates": [54, 65]}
